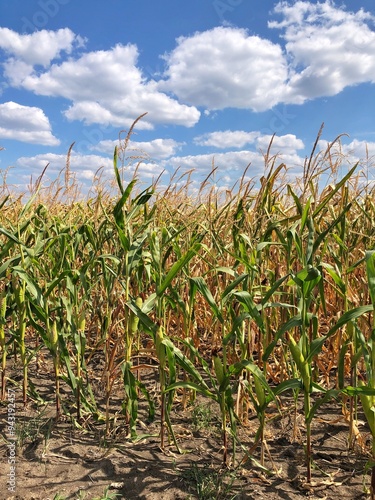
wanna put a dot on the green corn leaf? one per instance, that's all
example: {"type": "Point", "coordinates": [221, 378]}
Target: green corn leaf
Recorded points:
{"type": "Point", "coordinates": [365, 350]}
{"type": "Point", "coordinates": [149, 303]}
{"type": "Point", "coordinates": [273, 289]}
{"type": "Point", "coordinates": [186, 364]}
{"type": "Point", "coordinates": [236, 329]}
{"type": "Point", "coordinates": [296, 199]}
{"type": "Point", "coordinates": [317, 344]}
{"type": "Point", "coordinates": [233, 285]}
{"type": "Point", "coordinates": [11, 236]}
{"type": "Point", "coordinates": [293, 322]}
{"type": "Point", "coordinates": [10, 262]}
{"type": "Point", "coordinates": [137, 203]}
{"type": "Point", "coordinates": [176, 268]}
{"type": "Point", "coordinates": [226, 270]}
{"type": "Point", "coordinates": [130, 386]}
{"type": "Point", "coordinates": [193, 386]}
{"type": "Point", "coordinates": [117, 173]}
{"type": "Point", "coordinates": [370, 267]}
{"type": "Point", "coordinates": [147, 323]}
{"type": "Point", "coordinates": [293, 236]}
{"type": "Point", "coordinates": [335, 276]}
{"type": "Point", "coordinates": [254, 370]}
{"type": "Point", "coordinates": [265, 244]}
{"type": "Point", "coordinates": [291, 384]}
{"type": "Point", "coordinates": [332, 193]}
{"type": "Point", "coordinates": [260, 392]}
{"type": "Point", "coordinates": [357, 391]}
{"type": "Point", "coordinates": [328, 395]}
{"type": "Point", "coordinates": [124, 240]}
{"type": "Point", "coordinates": [367, 397]}
{"type": "Point", "coordinates": [3, 202]}
{"type": "Point", "coordinates": [31, 285]}
{"type": "Point", "coordinates": [305, 215]}
{"type": "Point", "coordinates": [200, 284]}
{"type": "Point", "coordinates": [323, 235]}
{"type": "Point", "coordinates": [118, 209]}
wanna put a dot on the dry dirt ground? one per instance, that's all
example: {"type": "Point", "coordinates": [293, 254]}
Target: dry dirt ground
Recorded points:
{"type": "Point", "coordinates": [58, 460]}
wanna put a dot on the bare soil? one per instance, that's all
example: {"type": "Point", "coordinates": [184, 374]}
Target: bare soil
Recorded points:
{"type": "Point", "coordinates": [58, 457]}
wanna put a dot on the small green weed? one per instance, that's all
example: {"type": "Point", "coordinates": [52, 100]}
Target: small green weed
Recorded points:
{"type": "Point", "coordinates": [203, 417]}
{"type": "Point", "coordinates": [208, 483]}
{"type": "Point", "coordinates": [81, 495]}
{"type": "Point", "coordinates": [29, 430]}
{"type": "Point", "coordinates": [107, 495]}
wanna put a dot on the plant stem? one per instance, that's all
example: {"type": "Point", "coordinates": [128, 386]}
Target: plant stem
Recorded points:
{"type": "Point", "coordinates": [308, 434]}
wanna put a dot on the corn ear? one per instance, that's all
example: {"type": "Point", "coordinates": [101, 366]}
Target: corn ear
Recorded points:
{"type": "Point", "coordinates": [3, 308]}
{"type": "Point", "coordinates": [301, 363]}
{"type": "Point", "coordinates": [219, 369]}
{"type": "Point", "coordinates": [259, 390]}
{"type": "Point", "coordinates": [54, 336]}
{"type": "Point", "coordinates": [160, 348]}
{"type": "Point", "coordinates": [134, 320]}
{"type": "Point", "coordinates": [19, 292]}
{"type": "Point", "coordinates": [82, 322]}
{"type": "Point", "coordinates": [368, 404]}
{"type": "Point", "coordinates": [3, 305]}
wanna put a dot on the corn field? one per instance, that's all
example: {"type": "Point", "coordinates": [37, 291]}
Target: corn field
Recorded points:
{"type": "Point", "coordinates": [244, 298]}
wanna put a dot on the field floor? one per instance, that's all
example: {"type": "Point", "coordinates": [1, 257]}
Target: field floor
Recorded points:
{"type": "Point", "coordinates": [57, 460]}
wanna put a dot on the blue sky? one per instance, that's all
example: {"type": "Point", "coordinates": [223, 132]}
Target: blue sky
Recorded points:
{"type": "Point", "coordinates": [217, 78]}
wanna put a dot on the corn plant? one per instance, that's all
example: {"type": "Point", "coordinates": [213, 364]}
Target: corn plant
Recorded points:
{"type": "Point", "coordinates": [3, 343]}
{"type": "Point", "coordinates": [229, 291]}
{"type": "Point", "coordinates": [132, 234]}
{"type": "Point", "coordinates": [366, 388]}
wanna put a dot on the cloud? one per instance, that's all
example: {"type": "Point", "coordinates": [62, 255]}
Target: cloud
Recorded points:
{"type": "Point", "coordinates": [323, 49]}
{"type": "Point", "coordinates": [327, 47]}
{"type": "Point", "coordinates": [25, 124]}
{"type": "Point", "coordinates": [40, 48]}
{"type": "Point", "coordinates": [156, 149]}
{"type": "Point", "coordinates": [84, 168]}
{"type": "Point", "coordinates": [225, 162]}
{"type": "Point", "coordinates": [231, 163]}
{"type": "Point", "coordinates": [230, 166]}
{"type": "Point", "coordinates": [120, 94]}
{"type": "Point", "coordinates": [225, 67]}
{"type": "Point", "coordinates": [227, 139]}
{"type": "Point", "coordinates": [353, 152]}
{"type": "Point", "coordinates": [247, 164]}
{"type": "Point", "coordinates": [57, 162]}
{"type": "Point", "coordinates": [361, 149]}
{"type": "Point", "coordinates": [284, 144]}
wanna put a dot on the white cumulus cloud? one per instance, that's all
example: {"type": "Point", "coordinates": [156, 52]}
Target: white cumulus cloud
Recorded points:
{"type": "Point", "coordinates": [104, 86]}
{"type": "Point", "coordinates": [25, 124]}
{"type": "Point", "coordinates": [283, 144]}
{"type": "Point", "coordinates": [328, 48]}
{"type": "Point", "coordinates": [227, 139]}
{"type": "Point", "coordinates": [226, 67]}
{"type": "Point", "coordinates": [323, 49]}
{"type": "Point", "coordinates": [40, 47]}
{"type": "Point", "coordinates": [155, 149]}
